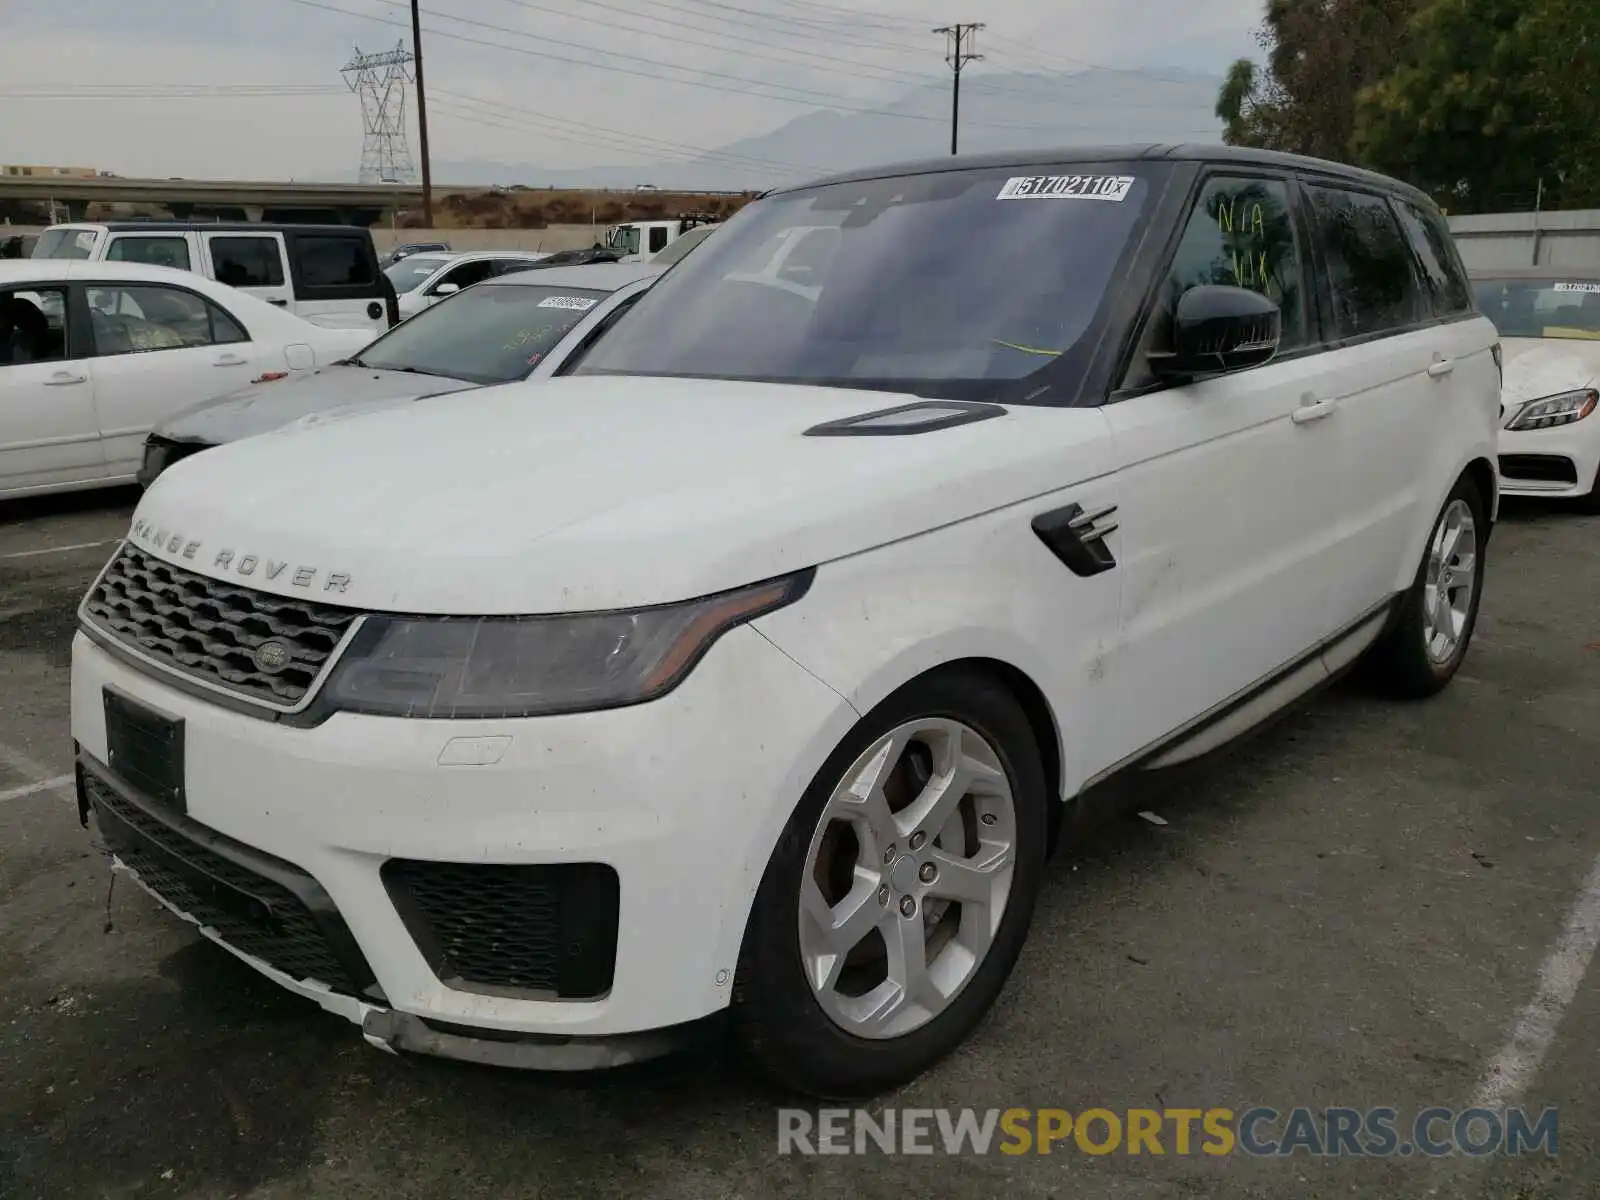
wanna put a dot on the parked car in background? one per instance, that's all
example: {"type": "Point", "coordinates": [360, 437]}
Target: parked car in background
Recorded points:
{"type": "Point", "coordinates": [748, 673]}
{"type": "Point", "coordinates": [425, 279]}
{"type": "Point", "coordinates": [525, 325]}
{"type": "Point", "coordinates": [409, 248]}
{"type": "Point", "coordinates": [92, 354]}
{"type": "Point", "coordinates": [1549, 322]}
{"type": "Point", "coordinates": [327, 274]}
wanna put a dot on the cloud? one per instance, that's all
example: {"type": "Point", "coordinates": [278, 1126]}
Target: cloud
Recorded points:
{"type": "Point", "coordinates": [681, 77]}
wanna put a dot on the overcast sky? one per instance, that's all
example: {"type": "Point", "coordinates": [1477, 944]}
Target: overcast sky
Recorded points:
{"type": "Point", "coordinates": [534, 81]}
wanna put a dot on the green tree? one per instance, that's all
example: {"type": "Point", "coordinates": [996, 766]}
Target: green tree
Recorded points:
{"type": "Point", "coordinates": [1319, 55]}
{"type": "Point", "coordinates": [1482, 107]}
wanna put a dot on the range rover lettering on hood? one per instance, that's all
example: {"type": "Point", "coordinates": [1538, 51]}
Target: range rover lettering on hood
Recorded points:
{"type": "Point", "coordinates": [227, 561]}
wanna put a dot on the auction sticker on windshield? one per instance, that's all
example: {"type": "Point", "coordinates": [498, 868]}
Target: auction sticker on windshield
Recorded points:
{"type": "Point", "coordinates": [1067, 187]}
{"type": "Point", "coordinates": [1592, 289]}
{"type": "Point", "coordinates": [578, 303]}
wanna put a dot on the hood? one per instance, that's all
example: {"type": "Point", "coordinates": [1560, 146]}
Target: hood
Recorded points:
{"type": "Point", "coordinates": [593, 493]}
{"type": "Point", "coordinates": [267, 406]}
{"type": "Point", "coordinates": [1537, 367]}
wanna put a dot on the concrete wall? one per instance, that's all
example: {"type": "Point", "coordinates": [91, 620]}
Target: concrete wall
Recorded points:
{"type": "Point", "coordinates": [552, 238]}
{"type": "Point", "coordinates": [1558, 239]}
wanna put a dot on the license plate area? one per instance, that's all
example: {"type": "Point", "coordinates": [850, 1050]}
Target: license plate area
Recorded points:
{"type": "Point", "coordinates": [145, 750]}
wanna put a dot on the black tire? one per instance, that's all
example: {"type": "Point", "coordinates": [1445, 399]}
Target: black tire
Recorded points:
{"type": "Point", "coordinates": [779, 1029]}
{"type": "Point", "coordinates": [1400, 662]}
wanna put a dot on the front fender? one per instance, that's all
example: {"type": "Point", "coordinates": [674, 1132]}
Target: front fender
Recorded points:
{"type": "Point", "coordinates": [986, 588]}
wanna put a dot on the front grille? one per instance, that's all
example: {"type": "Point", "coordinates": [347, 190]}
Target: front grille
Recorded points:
{"type": "Point", "coordinates": [259, 916]}
{"type": "Point", "coordinates": [1541, 468]}
{"type": "Point", "coordinates": [548, 928]}
{"type": "Point", "coordinates": [210, 629]}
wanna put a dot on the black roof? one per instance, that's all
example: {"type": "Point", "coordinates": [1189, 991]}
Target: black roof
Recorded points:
{"type": "Point", "coordinates": [222, 227]}
{"type": "Point", "coordinates": [1115, 153]}
{"type": "Point", "coordinates": [1579, 274]}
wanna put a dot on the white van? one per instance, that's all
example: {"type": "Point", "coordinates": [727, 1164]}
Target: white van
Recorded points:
{"type": "Point", "coordinates": [327, 274]}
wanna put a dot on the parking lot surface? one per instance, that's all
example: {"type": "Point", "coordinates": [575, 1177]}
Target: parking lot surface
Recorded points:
{"type": "Point", "coordinates": [1369, 905]}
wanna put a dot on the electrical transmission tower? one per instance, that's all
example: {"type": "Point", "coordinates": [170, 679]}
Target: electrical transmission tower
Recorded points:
{"type": "Point", "coordinates": [961, 39]}
{"type": "Point", "coordinates": [380, 80]}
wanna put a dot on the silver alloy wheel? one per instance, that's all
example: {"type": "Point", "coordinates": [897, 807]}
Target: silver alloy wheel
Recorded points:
{"type": "Point", "coordinates": [1450, 581]}
{"type": "Point", "coordinates": [907, 877]}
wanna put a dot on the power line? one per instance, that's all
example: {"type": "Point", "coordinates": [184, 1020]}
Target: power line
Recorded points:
{"type": "Point", "coordinates": [960, 40]}
{"type": "Point", "coordinates": [811, 97]}
{"type": "Point", "coordinates": [137, 91]}
{"type": "Point", "coordinates": [837, 65]}
{"type": "Point", "coordinates": [678, 147]}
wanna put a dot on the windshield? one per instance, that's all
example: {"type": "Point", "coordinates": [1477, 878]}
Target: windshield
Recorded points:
{"type": "Point", "coordinates": [624, 238]}
{"type": "Point", "coordinates": [942, 284]}
{"type": "Point", "coordinates": [65, 242]}
{"type": "Point", "coordinates": [1541, 308]}
{"type": "Point", "coordinates": [485, 334]}
{"type": "Point", "coordinates": [412, 272]}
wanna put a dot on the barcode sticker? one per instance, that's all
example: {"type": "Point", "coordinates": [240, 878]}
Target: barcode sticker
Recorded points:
{"type": "Point", "coordinates": [1067, 187]}
{"type": "Point", "coordinates": [577, 303]}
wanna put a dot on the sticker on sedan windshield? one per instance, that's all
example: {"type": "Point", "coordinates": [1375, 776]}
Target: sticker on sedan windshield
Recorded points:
{"type": "Point", "coordinates": [1067, 187]}
{"type": "Point", "coordinates": [576, 303]}
{"type": "Point", "coordinates": [1592, 289]}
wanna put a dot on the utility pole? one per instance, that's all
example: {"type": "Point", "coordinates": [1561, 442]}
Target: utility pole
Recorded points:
{"type": "Point", "coordinates": [422, 117]}
{"type": "Point", "coordinates": [960, 40]}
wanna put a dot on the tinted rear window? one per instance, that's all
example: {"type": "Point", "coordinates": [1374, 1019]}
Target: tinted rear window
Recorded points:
{"type": "Point", "coordinates": [1375, 287]}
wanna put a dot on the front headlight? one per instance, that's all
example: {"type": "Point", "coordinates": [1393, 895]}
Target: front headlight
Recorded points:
{"type": "Point", "coordinates": [1562, 409]}
{"type": "Point", "coordinates": [464, 667]}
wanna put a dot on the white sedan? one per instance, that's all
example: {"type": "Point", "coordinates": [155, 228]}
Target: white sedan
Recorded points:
{"type": "Point", "coordinates": [93, 354]}
{"type": "Point", "coordinates": [1549, 322]}
{"type": "Point", "coordinates": [422, 280]}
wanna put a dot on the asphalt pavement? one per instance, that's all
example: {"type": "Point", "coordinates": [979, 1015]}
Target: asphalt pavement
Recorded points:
{"type": "Point", "coordinates": [1373, 904]}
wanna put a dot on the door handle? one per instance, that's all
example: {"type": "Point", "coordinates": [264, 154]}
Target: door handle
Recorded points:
{"type": "Point", "coordinates": [65, 379]}
{"type": "Point", "coordinates": [280, 303]}
{"type": "Point", "coordinates": [1441, 368]}
{"type": "Point", "coordinates": [229, 360]}
{"type": "Point", "coordinates": [1313, 410]}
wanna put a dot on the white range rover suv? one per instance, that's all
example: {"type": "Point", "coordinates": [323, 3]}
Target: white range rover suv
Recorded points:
{"type": "Point", "coordinates": [748, 673]}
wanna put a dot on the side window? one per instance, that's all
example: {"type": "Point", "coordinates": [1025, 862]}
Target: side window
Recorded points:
{"type": "Point", "coordinates": [1370, 274]}
{"type": "Point", "coordinates": [1441, 265]}
{"type": "Point", "coordinates": [33, 326]}
{"type": "Point", "coordinates": [144, 317]}
{"type": "Point", "coordinates": [1241, 234]}
{"type": "Point", "coordinates": [329, 261]}
{"type": "Point", "coordinates": [249, 261]}
{"type": "Point", "coordinates": [163, 251]}
{"type": "Point", "coordinates": [468, 274]}
{"type": "Point", "coordinates": [658, 240]}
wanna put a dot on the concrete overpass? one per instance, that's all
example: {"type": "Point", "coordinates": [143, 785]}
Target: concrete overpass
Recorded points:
{"type": "Point", "coordinates": [339, 203]}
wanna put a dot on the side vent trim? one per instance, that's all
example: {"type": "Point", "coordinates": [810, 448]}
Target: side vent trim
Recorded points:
{"type": "Point", "coordinates": [1077, 537]}
{"type": "Point", "coordinates": [921, 416]}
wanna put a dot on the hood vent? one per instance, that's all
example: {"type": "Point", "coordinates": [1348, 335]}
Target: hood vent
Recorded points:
{"type": "Point", "coordinates": [922, 416]}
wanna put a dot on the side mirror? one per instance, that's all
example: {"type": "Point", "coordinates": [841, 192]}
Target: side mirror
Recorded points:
{"type": "Point", "coordinates": [447, 289]}
{"type": "Point", "coordinates": [1217, 329]}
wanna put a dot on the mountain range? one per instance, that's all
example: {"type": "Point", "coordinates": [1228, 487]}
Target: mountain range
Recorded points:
{"type": "Point", "coordinates": [1010, 111]}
